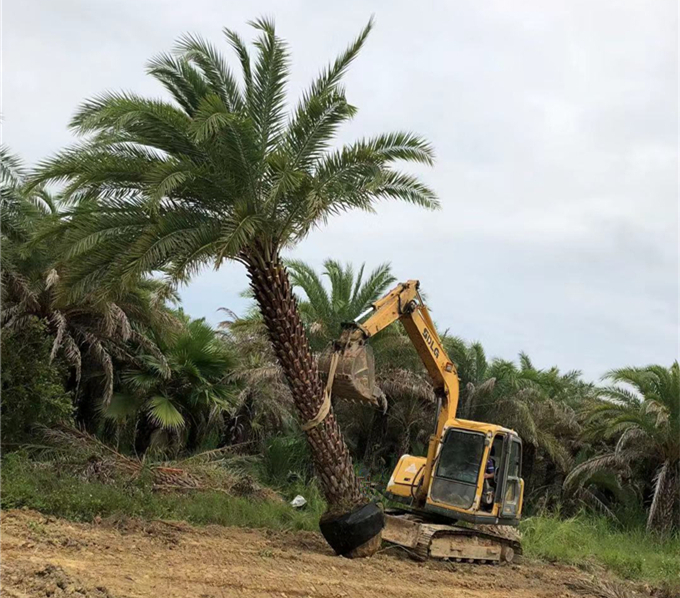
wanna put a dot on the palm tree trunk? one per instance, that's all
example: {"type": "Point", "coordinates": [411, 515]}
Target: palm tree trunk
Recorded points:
{"type": "Point", "coordinates": [193, 438]}
{"type": "Point", "coordinates": [332, 461]}
{"type": "Point", "coordinates": [528, 464]}
{"type": "Point", "coordinates": [663, 511]}
{"type": "Point", "coordinates": [143, 430]}
{"type": "Point", "coordinates": [405, 442]}
{"type": "Point", "coordinates": [376, 436]}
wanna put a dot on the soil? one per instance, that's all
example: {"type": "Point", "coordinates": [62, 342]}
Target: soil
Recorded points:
{"type": "Point", "coordinates": [46, 556]}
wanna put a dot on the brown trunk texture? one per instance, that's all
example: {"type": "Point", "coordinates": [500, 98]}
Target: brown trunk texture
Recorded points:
{"type": "Point", "coordinates": [332, 461]}
{"type": "Point", "coordinates": [376, 438]}
{"type": "Point", "coordinates": [666, 517]}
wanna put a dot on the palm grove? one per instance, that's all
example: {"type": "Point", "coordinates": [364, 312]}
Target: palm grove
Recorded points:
{"type": "Point", "coordinates": [93, 333]}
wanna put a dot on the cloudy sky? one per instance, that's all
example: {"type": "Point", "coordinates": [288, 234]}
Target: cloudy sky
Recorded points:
{"type": "Point", "coordinates": [555, 126]}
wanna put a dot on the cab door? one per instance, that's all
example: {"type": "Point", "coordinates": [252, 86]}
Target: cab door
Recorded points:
{"type": "Point", "coordinates": [513, 487]}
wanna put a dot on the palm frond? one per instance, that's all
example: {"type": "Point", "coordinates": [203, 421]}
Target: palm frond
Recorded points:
{"type": "Point", "coordinates": [217, 73]}
{"type": "Point", "coordinates": [164, 413]}
{"type": "Point", "coordinates": [270, 73]}
{"type": "Point", "coordinates": [608, 461]}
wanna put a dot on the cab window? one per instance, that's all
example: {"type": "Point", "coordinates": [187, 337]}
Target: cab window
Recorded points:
{"type": "Point", "coordinates": [515, 464]}
{"type": "Point", "coordinates": [461, 456]}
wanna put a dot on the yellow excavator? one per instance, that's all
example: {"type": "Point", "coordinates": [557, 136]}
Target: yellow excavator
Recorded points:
{"type": "Point", "coordinates": [463, 500]}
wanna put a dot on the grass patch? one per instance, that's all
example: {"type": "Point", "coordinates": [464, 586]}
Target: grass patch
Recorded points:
{"type": "Point", "coordinates": [585, 540]}
{"type": "Point", "coordinates": [45, 489]}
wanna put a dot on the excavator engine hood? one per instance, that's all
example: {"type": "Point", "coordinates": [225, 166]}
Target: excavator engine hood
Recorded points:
{"type": "Point", "coordinates": [354, 376]}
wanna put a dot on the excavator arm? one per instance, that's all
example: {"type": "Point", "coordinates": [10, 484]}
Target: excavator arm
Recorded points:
{"type": "Point", "coordinates": [351, 364]}
{"type": "Point", "coordinates": [405, 304]}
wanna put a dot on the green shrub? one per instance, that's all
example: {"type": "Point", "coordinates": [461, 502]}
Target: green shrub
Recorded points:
{"type": "Point", "coordinates": [32, 388]}
{"type": "Point", "coordinates": [285, 460]}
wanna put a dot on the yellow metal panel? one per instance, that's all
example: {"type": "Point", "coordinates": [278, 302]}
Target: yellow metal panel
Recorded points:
{"type": "Point", "coordinates": [406, 476]}
{"type": "Point", "coordinates": [521, 498]}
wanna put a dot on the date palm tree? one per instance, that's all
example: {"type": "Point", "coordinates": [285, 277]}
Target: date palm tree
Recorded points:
{"type": "Point", "coordinates": [641, 412]}
{"type": "Point", "coordinates": [220, 172]}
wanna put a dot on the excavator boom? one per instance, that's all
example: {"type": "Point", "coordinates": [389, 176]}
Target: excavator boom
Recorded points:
{"type": "Point", "coordinates": [355, 373]}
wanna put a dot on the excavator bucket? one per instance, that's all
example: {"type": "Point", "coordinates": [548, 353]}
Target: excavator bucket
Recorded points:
{"type": "Point", "coordinates": [354, 375]}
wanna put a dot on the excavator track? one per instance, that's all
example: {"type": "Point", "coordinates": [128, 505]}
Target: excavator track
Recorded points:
{"type": "Point", "coordinates": [461, 543]}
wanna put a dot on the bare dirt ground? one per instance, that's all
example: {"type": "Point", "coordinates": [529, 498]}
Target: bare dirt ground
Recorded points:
{"type": "Point", "coordinates": [46, 556]}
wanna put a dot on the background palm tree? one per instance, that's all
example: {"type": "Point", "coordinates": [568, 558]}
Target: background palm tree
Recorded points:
{"type": "Point", "coordinates": [223, 172]}
{"type": "Point", "coordinates": [264, 404]}
{"type": "Point", "coordinates": [642, 414]}
{"type": "Point", "coordinates": [324, 310]}
{"type": "Point", "coordinates": [89, 331]}
{"type": "Point", "coordinates": [177, 400]}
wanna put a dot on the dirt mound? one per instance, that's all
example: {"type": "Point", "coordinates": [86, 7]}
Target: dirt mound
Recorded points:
{"type": "Point", "coordinates": [47, 580]}
{"type": "Point", "coordinates": [122, 557]}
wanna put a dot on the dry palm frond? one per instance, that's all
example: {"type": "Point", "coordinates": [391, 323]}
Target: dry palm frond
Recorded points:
{"type": "Point", "coordinates": [557, 452]}
{"type": "Point", "coordinates": [73, 444]}
{"type": "Point", "coordinates": [269, 372]}
{"type": "Point", "coordinates": [9, 313]}
{"type": "Point", "coordinates": [601, 589]}
{"type": "Point", "coordinates": [658, 409]}
{"type": "Point", "coordinates": [73, 356]}
{"type": "Point", "coordinates": [660, 479]}
{"type": "Point", "coordinates": [97, 349]}
{"type": "Point", "coordinates": [51, 279]}
{"type": "Point", "coordinates": [92, 459]}
{"type": "Point", "coordinates": [632, 436]}
{"type": "Point", "coordinates": [485, 387]}
{"type": "Point", "coordinates": [589, 498]}
{"type": "Point", "coordinates": [399, 383]}
{"type": "Point", "coordinates": [20, 321]}
{"type": "Point", "coordinates": [608, 461]}
{"type": "Point", "coordinates": [116, 322]}
{"type": "Point", "coordinates": [20, 287]}
{"type": "Point", "coordinates": [233, 317]}
{"type": "Point", "coordinates": [218, 455]}
{"type": "Point", "coordinates": [59, 323]}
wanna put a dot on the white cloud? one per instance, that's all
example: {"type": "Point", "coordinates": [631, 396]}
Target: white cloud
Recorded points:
{"type": "Point", "coordinates": [555, 126]}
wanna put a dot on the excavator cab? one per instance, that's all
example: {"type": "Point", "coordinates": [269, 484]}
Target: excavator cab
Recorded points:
{"type": "Point", "coordinates": [461, 483]}
{"type": "Point", "coordinates": [459, 488]}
